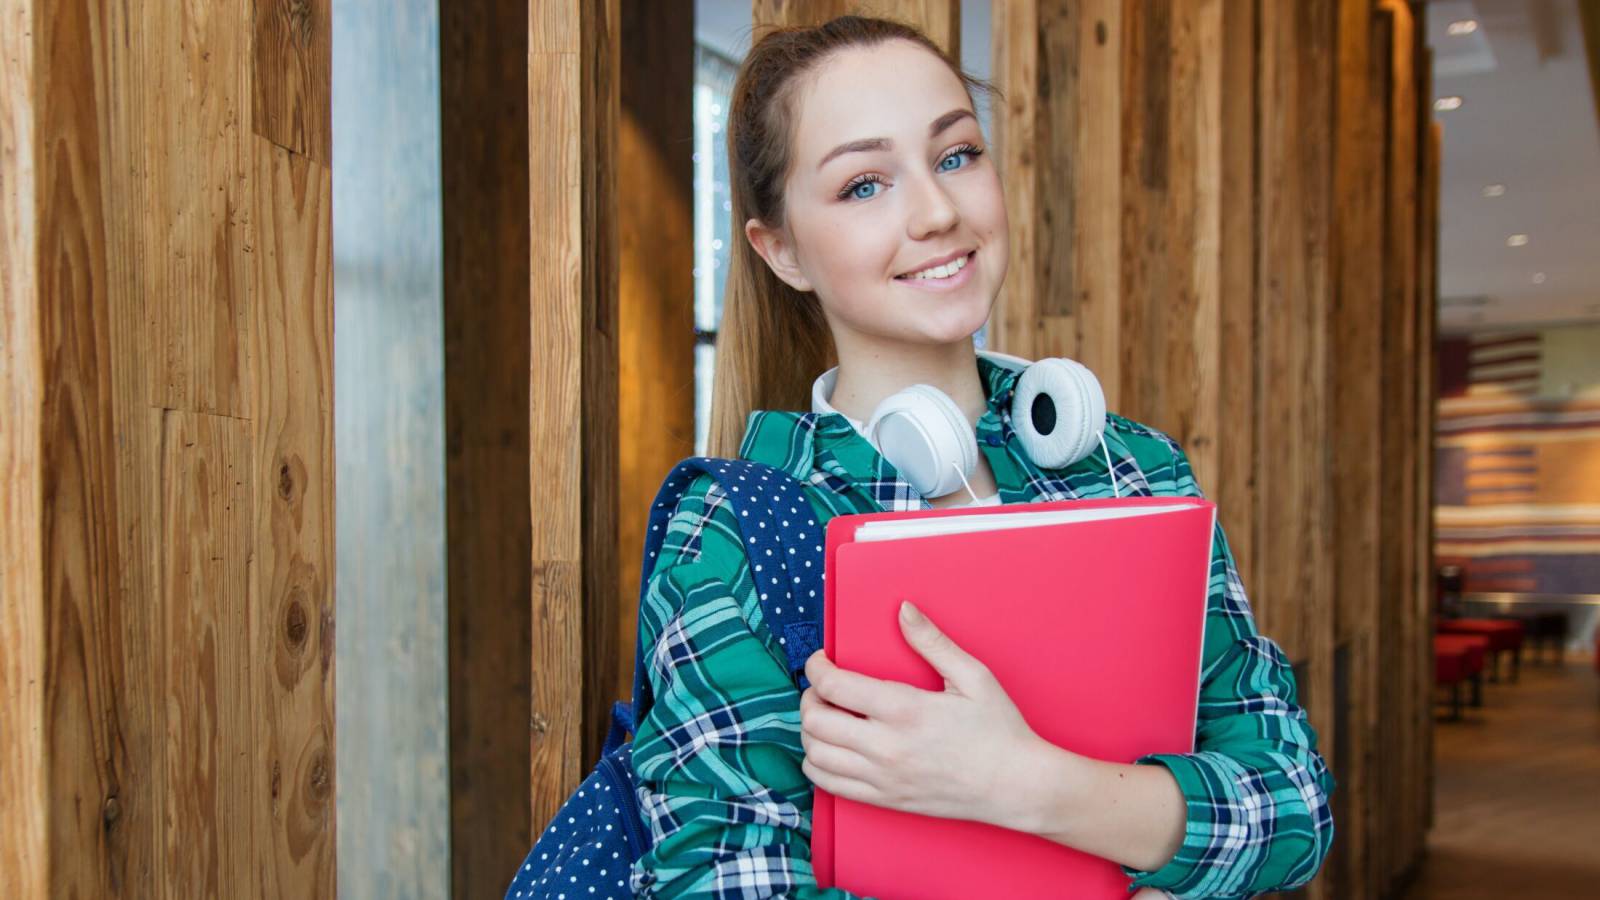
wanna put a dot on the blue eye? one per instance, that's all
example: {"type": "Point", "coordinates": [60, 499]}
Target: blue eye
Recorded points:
{"type": "Point", "coordinates": [968, 151]}
{"type": "Point", "coordinates": [870, 188]}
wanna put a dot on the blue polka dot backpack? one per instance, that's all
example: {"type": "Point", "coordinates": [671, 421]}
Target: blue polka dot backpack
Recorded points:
{"type": "Point", "coordinates": [588, 850]}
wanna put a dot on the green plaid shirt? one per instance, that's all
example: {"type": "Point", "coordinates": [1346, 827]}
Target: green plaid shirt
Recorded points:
{"type": "Point", "coordinates": [718, 753]}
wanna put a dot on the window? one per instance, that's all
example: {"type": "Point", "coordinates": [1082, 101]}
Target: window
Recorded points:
{"type": "Point", "coordinates": [713, 227]}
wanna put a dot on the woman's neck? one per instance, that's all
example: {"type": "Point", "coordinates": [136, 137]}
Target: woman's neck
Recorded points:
{"type": "Point", "coordinates": [866, 378]}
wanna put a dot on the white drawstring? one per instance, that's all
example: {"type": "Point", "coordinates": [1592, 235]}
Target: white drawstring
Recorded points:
{"type": "Point", "coordinates": [1111, 473]}
{"type": "Point", "coordinates": [963, 476]}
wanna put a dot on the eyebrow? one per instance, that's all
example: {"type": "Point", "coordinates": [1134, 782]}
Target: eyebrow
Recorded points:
{"type": "Point", "coordinates": [865, 144]}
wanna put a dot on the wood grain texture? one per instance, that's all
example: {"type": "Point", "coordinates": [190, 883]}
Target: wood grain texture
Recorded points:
{"type": "Point", "coordinates": [193, 70]}
{"type": "Point", "coordinates": [1354, 383]}
{"type": "Point", "coordinates": [655, 215]}
{"type": "Point", "coordinates": [573, 111]}
{"type": "Point", "coordinates": [1379, 824]}
{"type": "Point", "coordinates": [130, 220]}
{"type": "Point", "coordinates": [1293, 593]}
{"type": "Point", "coordinates": [1426, 313]}
{"type": "Point", "coordinates": [940, 20]}
{"type": "Point", "coordinates": [293, 105]}
{"type": "Point", "coordinates": [1398, 558]}
{"type": "Point", "coordinates": [1428, 385]}
{"type": "Point", "coordinates": [1095, 162]}
{"type": "Point", "coordinates": [1400, 301]}
{"type": "Point", "coordinates": [1044, 153]}
{"type": "Point", "coordinates": [1016, 59]}
{"type": "Point", "coordinates": [1231, 483]}
{"type": "Point", "coordinates": [485, 163]}
{"type": "Point", "coordinates": [1249, 228]}
{"type": "Point", "coordinates": [95, 730]}
{"type": "Point", "coordinates": [291, 481]}
{"type": "Point", "coordinates": [206, 520]}
{"type": "Point", "coordinates": [24, 765]}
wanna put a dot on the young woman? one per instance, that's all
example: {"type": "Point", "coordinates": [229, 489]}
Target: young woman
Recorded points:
{"type": "Point", "coordinates": [875, 234]}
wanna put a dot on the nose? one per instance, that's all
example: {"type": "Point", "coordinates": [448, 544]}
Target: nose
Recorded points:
{"type": "Point", "coordinates": [932, 211]}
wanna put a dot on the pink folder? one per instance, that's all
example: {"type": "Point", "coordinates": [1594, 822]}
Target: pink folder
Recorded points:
{"type": "Point", "coordinates": [1094, 628]}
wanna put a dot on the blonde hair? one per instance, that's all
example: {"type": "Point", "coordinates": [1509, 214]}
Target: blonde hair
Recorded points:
{"type": "Point", "coordinates": [773, 340]}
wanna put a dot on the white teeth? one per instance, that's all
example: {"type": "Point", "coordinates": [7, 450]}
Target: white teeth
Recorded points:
{"type": "Point", "coordinates": [944, 271]}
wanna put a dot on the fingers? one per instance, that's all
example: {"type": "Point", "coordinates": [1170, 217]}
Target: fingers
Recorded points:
{"type": "Point", "coordinates": [841, 785]}
{"type": "Point", "coordinates": [832, 724]}
{"type": "Point", "coordinates": [837, 760]}
{"type": "Point", "coordinates": [955, 665]}
{"type": "Point", "coordinates": [874, 698]}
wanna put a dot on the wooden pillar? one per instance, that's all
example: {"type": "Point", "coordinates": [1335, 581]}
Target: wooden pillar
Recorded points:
{"type": "Point", "coordinates": [485, 162]}
{"type": "Point", "coordinates": [1059, 137]}
{"type": "Point", "coordinates": [1397, 557]}
{"type": "Point", "coordinates": [1424, 357]}
{"type": "Point", "coordinates": [1354, 391]}
{"type": "Point", "coordinates": [27, 739]}
{"type": "Point", "coordinates": [1293, 590]}
{"type": "Point", "coordinates": [573, 64]}
{"type": "Point", "coordinates": [940, 20]}
{"type": "Point", "coordinates": [655, 200]}
{"type": "Point", "coordinates": [166, 670]}
{"type": "Point", "coordinates": [1428, 386]}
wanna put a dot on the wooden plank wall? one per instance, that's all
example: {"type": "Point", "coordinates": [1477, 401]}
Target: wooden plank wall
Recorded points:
{"type": "Point", "coordinates": [1428, 385]}
{"type": "Point", "coordinates": [485, 159]}
{"type": "Point", "coordinates": [940, 20]}
{"type": "Point", "coordinates": [655, 199]}
{"type": "Point", "coordinates": [25, 741]}
{"type": "Point", "coordinates": [1355, 343]}
{"type": "Point", "coordinates": [573, 111]}
{"type": "Point", "coordinates": [1132, 210]}
{"type": "Point", "coordinates": [1215, 206]}
{"type": "Point", "coordinates": [167, 635]}
{"type": "Point", "coordinates": [1395, 827]}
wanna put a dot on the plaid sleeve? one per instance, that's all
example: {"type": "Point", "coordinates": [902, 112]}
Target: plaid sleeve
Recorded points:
{"type": "Point", "coordinates": [1256, 787]}
{"type": "Point", "coordinates": [717, 756]}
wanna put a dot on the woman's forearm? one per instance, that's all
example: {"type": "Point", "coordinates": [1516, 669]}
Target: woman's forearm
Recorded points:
{"type": "Point", "coordinates": [1132, 815]}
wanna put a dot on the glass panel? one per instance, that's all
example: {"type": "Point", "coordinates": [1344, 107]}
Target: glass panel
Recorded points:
{"type": "Point", "coordinates": [713, 210]}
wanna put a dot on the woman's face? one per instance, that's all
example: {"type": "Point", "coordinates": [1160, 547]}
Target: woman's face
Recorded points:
{"type": "Point", "coordinates": [890, 178]}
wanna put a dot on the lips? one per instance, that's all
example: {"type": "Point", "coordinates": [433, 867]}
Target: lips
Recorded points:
{"type": "Point", "coordinates": [935, 263]}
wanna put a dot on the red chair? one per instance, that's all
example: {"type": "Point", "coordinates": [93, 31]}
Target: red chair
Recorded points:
{"type": "Point", "coordinates": [1505, 636]}
{"type": "Point", "coordinates": [1457, 660]}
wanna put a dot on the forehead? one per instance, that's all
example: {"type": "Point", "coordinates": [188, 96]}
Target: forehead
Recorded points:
{"type": "Point", "coordinates": [893, 90]}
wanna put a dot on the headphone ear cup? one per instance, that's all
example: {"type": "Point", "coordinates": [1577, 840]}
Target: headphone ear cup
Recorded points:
{"type": "Point", "coordinates": [920, 431]}
{"type": "Point", "coordinates": [1058, 411]}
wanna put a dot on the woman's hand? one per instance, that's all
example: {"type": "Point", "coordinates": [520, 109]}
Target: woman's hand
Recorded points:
{"type": "Point", "coordinates": [959, 753]}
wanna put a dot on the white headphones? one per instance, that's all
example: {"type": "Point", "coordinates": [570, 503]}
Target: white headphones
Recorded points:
{"type": "Point", "coordinates": [1058, 411]}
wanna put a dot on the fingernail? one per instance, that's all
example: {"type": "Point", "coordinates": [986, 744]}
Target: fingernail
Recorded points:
{"type": "Point", "coordinates": [909, 612]}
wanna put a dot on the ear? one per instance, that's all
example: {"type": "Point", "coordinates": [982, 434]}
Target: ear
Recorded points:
{"type": "Point", "coordinates": [774, 246]}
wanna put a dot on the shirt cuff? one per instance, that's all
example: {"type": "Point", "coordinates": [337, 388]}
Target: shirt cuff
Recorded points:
{"type": "Point", "coordinates": [1200, 843]}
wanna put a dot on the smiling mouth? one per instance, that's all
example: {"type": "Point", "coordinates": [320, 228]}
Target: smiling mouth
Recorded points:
{"type": "Point", "coordinates": [940, 273]}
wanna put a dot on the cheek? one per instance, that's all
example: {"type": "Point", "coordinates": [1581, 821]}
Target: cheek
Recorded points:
{"type": "Point", "coordinates": [850, 261]}
{"type": "Point", "coordinates": [986, 207]}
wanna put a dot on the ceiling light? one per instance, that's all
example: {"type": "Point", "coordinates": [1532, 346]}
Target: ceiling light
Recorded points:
{"type": "Point", "coordinates": [1517, 240]}
{"type": "Point", "coordinates": [1538, 278]}
{"type": "Point", "coordinates": [1494, 190]}
{"type": "Point", "coordinates": [1462, 28]}
{"type": "Point", "coordinates": [1445, 104]}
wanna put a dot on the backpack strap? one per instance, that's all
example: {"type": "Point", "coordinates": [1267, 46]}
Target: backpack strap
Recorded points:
{"type": "Point", "coordinates": [783, 541]}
